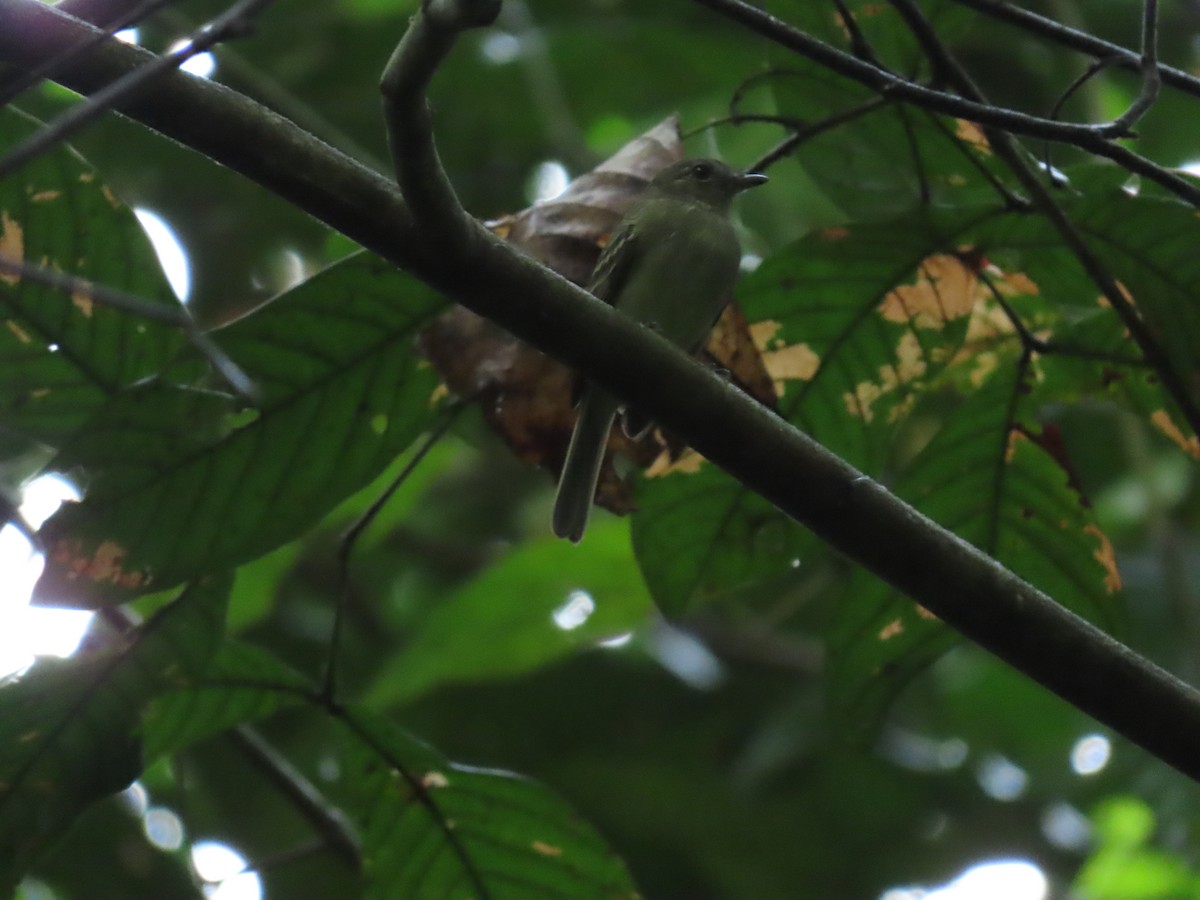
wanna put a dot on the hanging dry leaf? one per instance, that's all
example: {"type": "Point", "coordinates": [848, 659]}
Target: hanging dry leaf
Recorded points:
{"type": "Point", "coordinates": [526, 396]}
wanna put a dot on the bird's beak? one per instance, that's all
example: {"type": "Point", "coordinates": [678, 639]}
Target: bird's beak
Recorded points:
{"type": "Point", "coordinates": [750, 179]}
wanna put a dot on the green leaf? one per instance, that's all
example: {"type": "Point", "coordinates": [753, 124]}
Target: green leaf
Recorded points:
{"type": "Point", "coordinates": [893, 159]}
{"type": "Point", "coordinates": [856, 323]}
{"type": "Point", "coordinates": [175, 490]}
{"type": "Point", "coordinates": [504, 621]}
{"type": "Point", "coordinates": [985, 479]}
{"type": "Point", "coordinates": [431, 828]}
{"type": "Point", "coordinates": [863, 319]}
{"type": "Point", "coordinates": [700, 535]}
{"type": "Point", "coordinates": [62, 356]}
{"type": "Point", "coordinates": [243, 684]}
{"type": "Point", "coordinates": [69, 728]}
{"type": "Point", "coordinates": [1147, 244]}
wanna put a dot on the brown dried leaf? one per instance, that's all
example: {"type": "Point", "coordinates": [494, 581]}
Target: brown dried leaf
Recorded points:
{"type": "Point", "coordinates": [732, 347]}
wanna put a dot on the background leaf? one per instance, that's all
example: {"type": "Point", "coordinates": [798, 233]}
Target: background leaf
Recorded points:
{"type": "Point", "coordinates": [71, 728]}
{"type": "Point", "coordinates": [342, 393]}
{"type": "Point", "coordinates": [61, 357]}
{"type": "Point", "coordinates": [525, 611]}
{"type": "Point", "coordinates": [479, 832]}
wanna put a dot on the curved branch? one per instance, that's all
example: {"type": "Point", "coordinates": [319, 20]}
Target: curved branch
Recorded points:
{"type": "Point", "coordinates": [859, 517]}
{"type": "Point", "coordinates": [1081, 41]}
{"type": "Point", "coordinates": [423, 182]}
{"type": "Point", "coordinates": [235, 21]}
{"type": "Point", "coordinates": [1094, 139]}
{"type": "Point", "coordinates": [1006, 148]}
{"type": "Point", "coordinates": [1151, 76]}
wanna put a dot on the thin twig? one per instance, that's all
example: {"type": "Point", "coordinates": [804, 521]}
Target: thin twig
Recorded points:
{"type": "Point", "coordinates": [327, 820]}
{"type": "Point", "coordinates": [1006, 148]}
{"type": "Point", "coordinates": [807, 132]}
{"type": "Point", "coordinates": [235, 22]}
{"type": "Point", "coordinates": [1151, 78]}
{"type": "Point", "coordinates": [1035, 344]}
{"type": "Point", "coordinates": [1093, 69]}
{"type": "Point", "coordinates": [352, 534]}
{"type": "Point", "coordinates": [174, 316]}
{"type": "Point", "coordinates": [859, 44]}
{"type": "Point", "coordinates": [1080, 41]}
{"type": "Point", "coordinates": [1092, 138]}
{"type": "Point", "coordinates": [10, 88]}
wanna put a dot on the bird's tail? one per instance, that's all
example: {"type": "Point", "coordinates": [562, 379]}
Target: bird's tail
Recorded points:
{"type": "Point", "coordinates": [581, 471]}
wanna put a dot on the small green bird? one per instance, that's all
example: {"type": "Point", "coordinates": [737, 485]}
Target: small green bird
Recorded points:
{"type": "Point", "coordinates": [671, 264]}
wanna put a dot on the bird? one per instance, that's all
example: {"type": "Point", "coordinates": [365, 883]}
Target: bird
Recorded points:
{"type": "Point", "coordinates": [671, 264]}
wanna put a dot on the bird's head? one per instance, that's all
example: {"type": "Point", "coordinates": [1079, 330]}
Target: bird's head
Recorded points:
{"type": "Point", "coordinates": [707, 181]}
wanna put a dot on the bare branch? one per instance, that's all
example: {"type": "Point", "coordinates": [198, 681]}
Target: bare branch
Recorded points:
{"type": "Point", "coordinates": [1007, 149]}
{"type": "Point", "coordinates": [419, 172]}
{"type": "Point", "coordinates": [1095, 139]}
{"type": "Point", "coordinates": [232, 23]}
{"type": "Point", "coordinates": [1151, 78]}
{"type": "Point", "coordinates": [1081, 41]}
{"type": "Point", "coordinates": [176, 316]}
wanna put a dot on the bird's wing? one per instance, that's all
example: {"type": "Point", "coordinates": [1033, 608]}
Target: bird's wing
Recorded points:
{"type": "Point", "coordinates": [612, 269]}
{"type": "Point", "coordinates": [609, 276]}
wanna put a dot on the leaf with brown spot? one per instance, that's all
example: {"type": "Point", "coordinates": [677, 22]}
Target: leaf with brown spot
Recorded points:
{"type": "Point", "coordinates": [62, 356]}
{"type": "Point", "coordinates": [430, 828]}
{"type": "Point", "coordinates": [945, 289]}
{"type": "Point", "coordinates": [181, 481]}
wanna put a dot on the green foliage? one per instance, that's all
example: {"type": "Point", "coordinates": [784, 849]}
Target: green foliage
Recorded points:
{"type": "Point", "coordinates": [70, 728]}
{"type": "Point", "coordinates": [1123, 866]}
{"type": "Point", "coordinates": [472, 832]}
{"type": "Point", "coordinates": [797, 728]}
{"type": "Point", "coordinates": [168, 499]}
{"type": "Point", "coordinates": [472, 637]}
{"type": "Point", "coordinates": [61, 357]}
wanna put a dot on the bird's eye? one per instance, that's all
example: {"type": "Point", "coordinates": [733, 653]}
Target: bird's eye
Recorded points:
{"type": "Point", "coordinates": [702, 171]}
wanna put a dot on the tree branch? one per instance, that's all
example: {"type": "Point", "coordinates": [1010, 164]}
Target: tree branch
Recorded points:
{"type": "Point", "coordinates": [326, 819]}
{"type": "Point", "coordinates": [445, 226]}
{"type": "Point", "coordinates": [1006, 148]}
{"type": "Point", "coordinates": [1094, 139]}
{"type": "Point", "coordinates": [1081, 41]}
{"type": "Point", "coordinates": [945, 574]}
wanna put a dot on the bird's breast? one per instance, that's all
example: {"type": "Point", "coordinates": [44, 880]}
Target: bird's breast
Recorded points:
{"type": "Point", "coordinates": [688, 266]}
